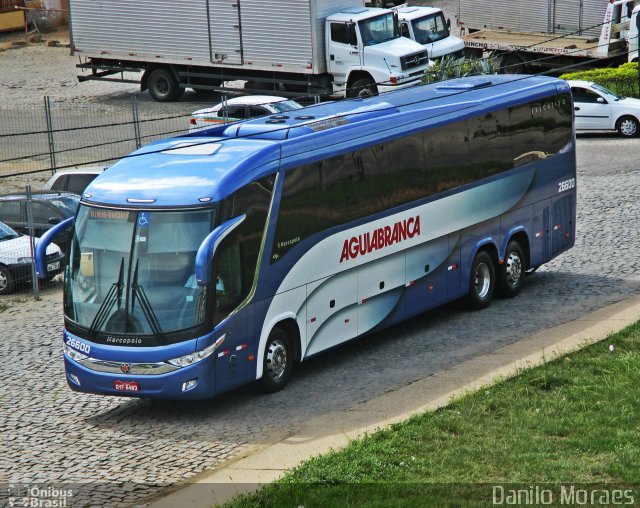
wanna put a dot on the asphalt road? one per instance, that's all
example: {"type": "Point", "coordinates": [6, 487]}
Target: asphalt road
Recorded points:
{"type": "Point", "coordinates": [118, 451]}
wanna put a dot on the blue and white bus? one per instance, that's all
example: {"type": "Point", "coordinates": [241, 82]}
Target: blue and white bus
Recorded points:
{"type": "Point", "coordinates": [206, 261]}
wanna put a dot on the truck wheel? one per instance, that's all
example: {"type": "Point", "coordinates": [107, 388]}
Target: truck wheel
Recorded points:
{"type": "Point", "coordinates": [163, 86]}
{"type": "Point", "coordinates": [277, 362]}
{"type": "Point", "coordinates": [482, 281]}
{"type": "Point", "coordinates": [6, 281]}
{"type": "Point", "coordinates": [362, 88]}
{"type": "Point", "coordinates": [627, 126]}
{"type": "Point", "coordinates": [511, 64]}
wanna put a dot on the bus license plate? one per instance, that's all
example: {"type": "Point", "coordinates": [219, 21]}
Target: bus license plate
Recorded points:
{"type": "Point", "coordinates": [126, 386]}
{"type": "Point", "coordinates": [53, 266]}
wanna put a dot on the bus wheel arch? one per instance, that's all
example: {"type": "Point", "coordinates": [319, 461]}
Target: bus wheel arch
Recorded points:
{"type": "Point", "coordinates": [482, 277]}
{"type": "Point", "coordinates": [511, 273]}
{"type": "Point", "coordinates": [277, 360]}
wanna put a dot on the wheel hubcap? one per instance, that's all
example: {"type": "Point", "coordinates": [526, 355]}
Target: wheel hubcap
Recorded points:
{"type": "Point", "coordinates": [514, 268]}
{"type": "Point", "coordinates": [162, 86]}
{"type": "Point", "coordinates": [3, 281]}
{"type": "Point", "coordinates": [482, 280]}
{"type": "Point", "coordinates": [628, 127]}
{"type": "Point", "coordinates": [276, 359]}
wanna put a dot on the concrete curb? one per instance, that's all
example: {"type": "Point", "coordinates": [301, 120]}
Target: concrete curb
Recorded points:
{"type": "Point", "coordinates": [262, 465]}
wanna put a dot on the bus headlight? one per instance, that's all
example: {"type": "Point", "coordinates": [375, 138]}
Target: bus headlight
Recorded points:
{"type": "Point", "coordinates": [198, 356]}
{"type": "Point", "coordinates": [76, 356]}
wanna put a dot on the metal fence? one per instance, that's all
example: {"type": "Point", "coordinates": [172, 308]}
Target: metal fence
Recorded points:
{"type": "Point", "coordinates": [60, 135]}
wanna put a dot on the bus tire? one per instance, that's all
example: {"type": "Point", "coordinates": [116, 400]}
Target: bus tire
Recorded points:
{"type": "Point", "coordinates": [482, 281]}
{"type": "Point", "coordinates": [163, 85]}
{"type": "Point", "coordinates": [511, 273]}
{"type": "Point", "coordinates": [277, 363]}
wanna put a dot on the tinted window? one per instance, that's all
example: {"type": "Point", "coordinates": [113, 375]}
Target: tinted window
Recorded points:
{"type": "Point", "coordinates": [78, 183]}
{"type": "Point", "coordinates": [343, 33]}
{"type": "Point", "coordinates": [10, 211]}
{"type": "Point", "coordinates": [42, 212]}
{"type": "Point", "coordinates": [584, 95]}
{"type": "Point", "coordinates": [237, 257]}
{"type": "Point", "coordinates": [329, 193]}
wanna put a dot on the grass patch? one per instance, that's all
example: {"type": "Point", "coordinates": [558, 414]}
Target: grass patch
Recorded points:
{"type": "Point", "coordinates": [574, 420]}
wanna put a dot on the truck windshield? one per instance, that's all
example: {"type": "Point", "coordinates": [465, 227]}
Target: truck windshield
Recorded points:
{"type": "Point", "coordinates": [379, 29]}
{"type": "Point", "coordinates": [430, 28]}
{"type": "Point", "coordinates": [131, 272]}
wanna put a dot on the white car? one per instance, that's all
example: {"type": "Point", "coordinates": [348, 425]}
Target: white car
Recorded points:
{"type": "Point", "coordinates": [15, 259]}
{"type": "Point", "coordinates": [240, 108]}
{"type": "Point", "coordinates": [73, 180]}
{"type": "Point", "coordinates": [596, 108]}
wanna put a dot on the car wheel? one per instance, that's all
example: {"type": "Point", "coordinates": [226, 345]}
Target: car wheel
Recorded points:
{"type": "Point", "coordinates": [482, 281]}
{"type": "Point", "coordinates": [277, 362]}
{"type": "Point", "coordinates": [163, 85]}
{"type": "Point", "coordinates": [362, 88]}
{"type": "Point", "coordinates": [628, 126]}
{"type": "Point", "coordinates": [511, 273]}
{"type": "Point", "coordinates": [6, 281]}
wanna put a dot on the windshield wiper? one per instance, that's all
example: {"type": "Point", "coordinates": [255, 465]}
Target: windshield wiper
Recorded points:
{"type": "Point", "coordinates": [137, 292]}
{"type": "Point", "coordinates": [114, 295]}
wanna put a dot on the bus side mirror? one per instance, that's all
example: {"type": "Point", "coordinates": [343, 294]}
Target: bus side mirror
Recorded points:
{"type": "Point", "coordinates": [44, 241]}
{"type": "Point", "coordinates": [207, 249]}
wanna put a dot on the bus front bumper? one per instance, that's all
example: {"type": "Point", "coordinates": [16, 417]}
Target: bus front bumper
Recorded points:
{"type": "Point", "coordinates": [193, 382]}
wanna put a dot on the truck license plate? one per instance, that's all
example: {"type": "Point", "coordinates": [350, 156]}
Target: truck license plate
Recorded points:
{"type": "Point", "coordinates": [53, 266]}
{"type": "Point", "coordinates": [126, 386]}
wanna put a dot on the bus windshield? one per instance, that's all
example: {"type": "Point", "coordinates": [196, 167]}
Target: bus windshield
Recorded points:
{"type": "Point", "coordinates": [379, 29]}
{"type": "Point", "coordinates": [430, 28]}
{"type": "Point", "coordinates": [132, 272]}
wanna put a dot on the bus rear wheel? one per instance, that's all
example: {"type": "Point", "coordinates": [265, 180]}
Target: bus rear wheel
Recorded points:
{"type": "Point", "coordinates": [277, 363]}
{"type": "Point", "coordinates": [482, 281]}
{"type": "Point", "coordinates": [511, 273]}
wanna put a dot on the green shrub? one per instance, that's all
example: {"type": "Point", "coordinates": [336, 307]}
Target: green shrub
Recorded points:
{"type": "Point", "coordinates": [449, 67]}
{"type": "Point", "coordinates": [622, 80]}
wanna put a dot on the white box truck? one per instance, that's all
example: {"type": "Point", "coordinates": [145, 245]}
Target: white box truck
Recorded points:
{"type": "Point", "coordinates": [334, 47]}
{"type": "Point", "coordinates": [547, 33]}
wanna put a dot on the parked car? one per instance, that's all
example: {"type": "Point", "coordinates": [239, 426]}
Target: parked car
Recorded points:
{"type": "Point", "coordinates": [15, 259]}
{"type": "Point", "coordinates": [597, 108]}
{"type": "Point", "coordinates": [73, 180]}
{"type": "Point", "coordinates": [240, 108]}
{"type": "Point", "coordinates": [49, 208]}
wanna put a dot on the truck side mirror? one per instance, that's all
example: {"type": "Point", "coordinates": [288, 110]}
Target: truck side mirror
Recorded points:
{"type": "Point", "coordinates": [449, 23]}
{"type": "Point", "coordinates": [208, 247]}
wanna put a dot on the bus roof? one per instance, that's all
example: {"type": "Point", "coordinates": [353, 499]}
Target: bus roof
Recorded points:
{"type": "Point", "coordinates": [209, 165]}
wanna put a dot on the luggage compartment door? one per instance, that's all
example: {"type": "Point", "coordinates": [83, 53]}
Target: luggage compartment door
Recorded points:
{"type": "Point", "coordinates": [225, 32]}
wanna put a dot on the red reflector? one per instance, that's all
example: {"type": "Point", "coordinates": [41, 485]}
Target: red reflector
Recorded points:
{"type": "Point", "coordinates": [411, 283]}
{"type": "Point", "coordinates": [192, 121]}
{"type": "Point", "coordinates": [393, 80]}
{"type": "Point", "coordinates": [226, 352]}
{"type": "Point", "coordinates": [567, 235]}
{"type": "Point", "coordinates": [126, 386]}
{"type": "Point", "coordinates": [429, 288]}
{"type": "Point", "coordinates": [364, 300]}
{"type": "Point", "coordinates": [250, 358]}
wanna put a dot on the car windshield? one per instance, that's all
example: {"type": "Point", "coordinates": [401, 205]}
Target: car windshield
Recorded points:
{"type": "Point", "coordinates": [6, 233]}
{"type": "Point", "coordinates": [132, 272]}
{"type": "Point", "coordinates": [379, 29]}
{"type": "Point", "coordinates": [606, 91]}
{"type": "Point", "coordinates": [284, 106]}
{"type": "Point", "coordinates": [430, 28]}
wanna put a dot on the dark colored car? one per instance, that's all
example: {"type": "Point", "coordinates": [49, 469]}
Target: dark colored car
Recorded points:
{"type": "Point", "coordinates": [48, 208]}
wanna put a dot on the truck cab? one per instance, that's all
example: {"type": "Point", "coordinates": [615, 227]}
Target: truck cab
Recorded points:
{"type": "Point", "coordinates": [366, 54]}
{"type": "Point", "coordinates": [428, 26]}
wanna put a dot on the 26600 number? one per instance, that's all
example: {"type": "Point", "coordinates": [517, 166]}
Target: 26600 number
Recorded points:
{"type": "Point", "coordinates": [565, 185]}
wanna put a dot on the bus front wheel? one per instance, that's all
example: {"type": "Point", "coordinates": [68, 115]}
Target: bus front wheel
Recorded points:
{"type": "Point", "coordinates": [277, 362]}
{"type": "Point", "coordinates": [511, 273]}
{"type": "Point", "coordinates": [482, 281]}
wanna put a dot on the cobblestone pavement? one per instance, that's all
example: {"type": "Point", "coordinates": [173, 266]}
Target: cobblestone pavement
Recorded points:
{"type": "Point", "coordinates": [124, 449]}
